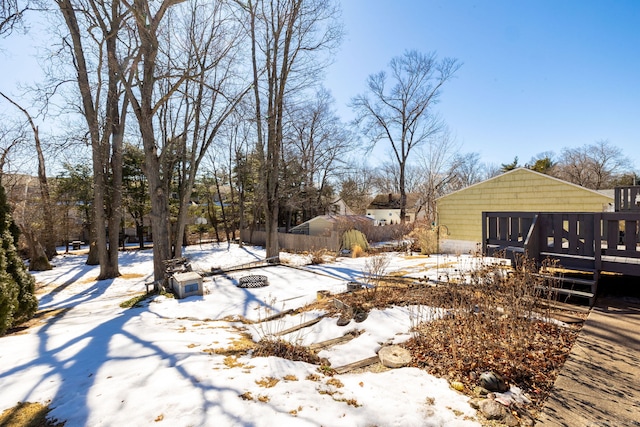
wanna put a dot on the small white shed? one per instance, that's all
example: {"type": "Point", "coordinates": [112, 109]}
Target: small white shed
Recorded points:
{"type": "Point", "coordinates": [187, 284]}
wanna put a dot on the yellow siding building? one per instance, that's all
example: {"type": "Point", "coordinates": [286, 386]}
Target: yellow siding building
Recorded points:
{"type": "Point", "coordinates": [459, 214]}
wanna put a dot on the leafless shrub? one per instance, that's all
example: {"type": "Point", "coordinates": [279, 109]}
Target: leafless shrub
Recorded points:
{"type": "Point", "coordinates": [425, 239]}
{"type": "Point", "coordinates": [373, 271]}
{"type": "Point", "coordinates": [388, 232]}
{"type": "Point", "coordinates": [491, 320]}
{"type": "Point", "coordinates": [320, 256]}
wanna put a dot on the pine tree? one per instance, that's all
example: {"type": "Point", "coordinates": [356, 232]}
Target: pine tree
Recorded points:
{"type": "Point", "coordinates": [17, 300]}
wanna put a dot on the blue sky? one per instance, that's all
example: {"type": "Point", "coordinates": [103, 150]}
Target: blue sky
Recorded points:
{"type": "Point", "coordinates": [537, 76]}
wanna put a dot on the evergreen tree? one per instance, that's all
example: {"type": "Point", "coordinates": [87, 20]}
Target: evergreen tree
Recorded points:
{"type": "Point", "coordinates": [17, 300]}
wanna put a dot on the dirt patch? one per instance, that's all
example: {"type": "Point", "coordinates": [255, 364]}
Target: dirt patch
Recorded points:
{"type": "Point", "coordinates": [38, 319]}
{"type": "Point", "coordinates": [131, 276]}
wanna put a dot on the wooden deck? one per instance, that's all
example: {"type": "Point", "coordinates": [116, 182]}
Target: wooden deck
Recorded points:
{"type": "Point", "coordinates": [592, 242]}
{"type": "Point", "coordinates": [604, 241]}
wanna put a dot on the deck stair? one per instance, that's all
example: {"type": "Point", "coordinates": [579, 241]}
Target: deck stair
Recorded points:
{"type": "Point", "coordinates": [569, 285]}
{"type": "Point", "coordinates": [580, 245]}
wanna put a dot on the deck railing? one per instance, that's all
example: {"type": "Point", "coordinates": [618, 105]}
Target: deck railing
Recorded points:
{"type": "Point", "coordinates": [627, 198]}
{"type": "Point", "coordinates": [602, 241]}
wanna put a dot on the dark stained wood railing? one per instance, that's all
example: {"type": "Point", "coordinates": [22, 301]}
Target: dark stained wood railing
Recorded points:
{"type": "Point", "coordinates": [627, 199]}
{"type": "Point", "coordinates": [602, 241]}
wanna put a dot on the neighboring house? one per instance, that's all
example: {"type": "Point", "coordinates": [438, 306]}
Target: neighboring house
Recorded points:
{"type": "Point", "coordinates": [459, 214]}
{"type": "Point", "coordinates": [325, 225]}
{"type": "Point", "coordinates": [339, 207]}
{"type": "Point", "coordinates": [385, 209]}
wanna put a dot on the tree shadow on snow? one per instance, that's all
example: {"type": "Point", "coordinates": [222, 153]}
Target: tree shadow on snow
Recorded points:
{"type": "Point", "coordinates": [76, 354]}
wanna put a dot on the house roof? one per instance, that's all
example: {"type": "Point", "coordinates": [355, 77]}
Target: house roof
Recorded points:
{"type": "Point", "coordinates": [523, 170]}
{"type": "Point", "coordinates": [340, 218]}
{"type": "Point", "coordinates": [392, 201]}
{"type": "Point", "coordinates": [353, 219]}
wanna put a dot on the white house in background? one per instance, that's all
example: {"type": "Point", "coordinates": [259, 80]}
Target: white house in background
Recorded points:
{"type": "Point", "coordinates": [385, 209]}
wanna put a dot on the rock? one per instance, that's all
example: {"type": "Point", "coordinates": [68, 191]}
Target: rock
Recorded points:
{"type": "Point", "coordinates": [360, 315]}
{"type": "Point", "coordinates": [510, 420]}
{"type": "Point", "coordinates": [492, 410]}
{"type": "Point", "coordinates": [339, 304]}
{"type": "Point", "coordinates": [493, 382]}
{"type": "Point", "coordinates": [394, 356]}
{"type": "Point", "coordinates": [343, 321]}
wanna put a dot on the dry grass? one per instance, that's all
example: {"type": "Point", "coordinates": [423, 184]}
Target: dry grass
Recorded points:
{"type": "Point", "coordinates": [322, 256]}
{"type": "Point", "coordinates": [334, 382]}
{"type": "Point", "coordinates": [239, 346]}
{"type": "Point", "coordinates": [280, 348]}
{"type": "Point", "coordinates": [28, 414]}
{"type": "Point", "coordinates": [267, 382]}
{"type": "Point", "coordinates": [39, 318]}
{"type": "Point", "coordinates": [232, 362]}
{"type": "Point", "coordinates": [123, 276]}
{"type": "Point", "coordinates": [294, 412]}
{"type": "Point", "coordinates": [357, 251]}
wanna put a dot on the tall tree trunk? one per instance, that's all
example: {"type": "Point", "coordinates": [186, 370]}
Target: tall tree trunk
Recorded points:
{"type": "Point", "coordinates": [222, 210]}
{"type": "Point", "coordinates": [142, 101]}
{"type": "Point", "coordinates": [113, 161]}
{"type": "Point", "coordinates": [37, 258]}
{"type": "Point", "coordinates": [49, 235]}
{"type": "Point", "coordinates": [181, 224]}
{"type": "Point", "coordinates": [107, 168]}
{"type": "Point", "coordinates": [140, 233]}
{"type": "Point", "coordinates": [403, 193]}
{"type": "Point", "coordinates": [160, 226]}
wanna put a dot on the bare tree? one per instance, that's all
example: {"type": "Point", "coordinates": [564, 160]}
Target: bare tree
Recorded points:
{"type": "Point", "coordinates": [386, 177]}
{"type": "Point", "coordinates": [320, 143]}
{"type": "Point", "coordinates": [285, 36]}
{"type": "Point", "coordinates": [102, 23]}
{"type": "Point", "coordinates": [594, 166]}
{"type": "Point", "coordinates": [12, 13]}
{"type": "Point", "coordinates": [141, 73]}
{"type": "Point", "coordinates": [467, 170]}
{"type": "Point", "coordinates": [48, 235]}
{"type": "Point", "coordinates": [404, 114]}
{"type": "Point", "coordinates": [436, 165]}
{"type": "Point", "coordinates": [199, 109]}
{"type": "Point", "coordinates": [11, 138]}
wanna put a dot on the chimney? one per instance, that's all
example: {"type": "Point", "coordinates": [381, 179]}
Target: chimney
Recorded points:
{"type": "Point", "coordinates": [390, 198]}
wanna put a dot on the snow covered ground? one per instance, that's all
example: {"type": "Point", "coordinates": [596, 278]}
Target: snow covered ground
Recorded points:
{"type": "Point", "coordinates": [97, 364]}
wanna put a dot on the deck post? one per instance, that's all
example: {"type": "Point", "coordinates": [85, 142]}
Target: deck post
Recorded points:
{"type": "Point", "coordinates": [485, 237]}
